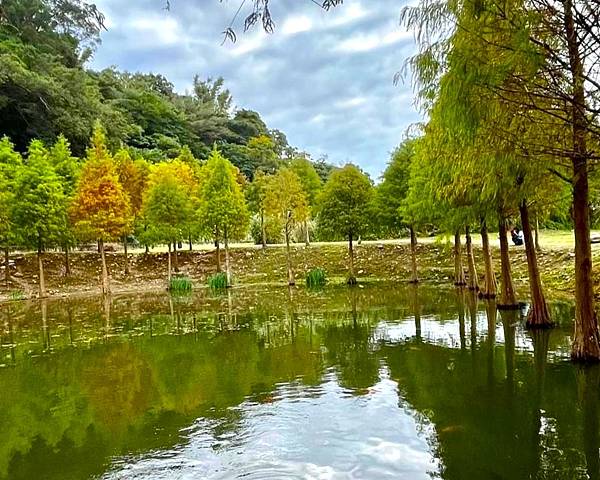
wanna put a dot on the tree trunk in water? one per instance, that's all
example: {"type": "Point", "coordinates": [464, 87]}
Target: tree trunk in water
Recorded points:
{"type": "Point", "coordinates": [586, 339]}
{"type": "Point", "coordinates": [413, 256]}
{"type": "Point", "coordinates": [473, 280]}
{"type": "Point", "coordinates": [507, 294]}
{"type": "Point", "coordinates": [539, 315]}
{"type": "Point", "coordinates": [459, 273]}
{"type": "Point", "coordinates": [537, 235]}
{"type": "Point", "coordinates": [351, 278]}
{"type": "Point", "coordinates": [42, 292]}
{"type": "Point", "coordinates": [6, 266]}
{"type": "Point", "coordinates": [67, 262]}
{"type": "Point", "coordinates": [227, 265]}
{"type": "Point", "coordinates": [169, 266]}
{"type": "Point", "coordinates": [489, 289]}
{"type": "Point", "coordinates": [306, 233]}
{"type": "Point", "coordinates": [126, 256]}
{"type": "Point", "coordinates": [263, 232]}
{"type": "Point", "coordinates": [175, 258]}
{"type": "Point", "coordinates": [190, 243]}
{"type": "Point", "coordinates": [147, 249]}
{"type": "Point", "coordinates": [291, 278]}
{"type": "Point", "coordinates": [105, 277]}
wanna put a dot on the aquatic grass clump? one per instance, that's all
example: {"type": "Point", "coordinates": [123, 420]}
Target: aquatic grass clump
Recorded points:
{"type": "Point", "coordinates": [316, 278]}
{"type": "Point", "coordinates": [16, 295]}
{"type": "Point", "coordinates": [180, 284]}
{"type": "Point", "coordinates": [218, 281]}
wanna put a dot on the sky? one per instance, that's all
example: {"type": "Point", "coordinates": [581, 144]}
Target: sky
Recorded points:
{"type": "Point", "coordinates": [323, 78]}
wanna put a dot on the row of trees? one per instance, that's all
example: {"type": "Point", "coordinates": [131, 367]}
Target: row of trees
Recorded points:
{"type": "Point", "coordinates": [510, 90]}
{"type": "Point", "coordinates": [52, 199]}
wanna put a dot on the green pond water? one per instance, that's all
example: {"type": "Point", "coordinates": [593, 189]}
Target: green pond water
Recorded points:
{"type": "Point", "coordinates": [385, 381]}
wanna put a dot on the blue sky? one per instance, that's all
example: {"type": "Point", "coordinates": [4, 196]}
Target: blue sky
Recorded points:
{"type": "Point", "coordinates": [323, 78]}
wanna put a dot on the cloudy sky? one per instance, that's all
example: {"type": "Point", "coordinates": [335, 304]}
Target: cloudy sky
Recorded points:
{"type": "Point", "coordinates": [323, 78]}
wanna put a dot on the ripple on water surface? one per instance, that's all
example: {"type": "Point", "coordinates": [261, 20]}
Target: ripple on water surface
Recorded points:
{"type": "Point", "coordinates": [323, 432]}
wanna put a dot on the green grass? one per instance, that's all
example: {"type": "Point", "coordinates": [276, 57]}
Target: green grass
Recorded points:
{"type": "Point", "coordinates": [316, 278]}
{"type": "Point", "coordinates": [16, 295]}
{"type": "Point", "coordinates": [218, 281]}
{"type": "Point", "coordinates": [180, 285]}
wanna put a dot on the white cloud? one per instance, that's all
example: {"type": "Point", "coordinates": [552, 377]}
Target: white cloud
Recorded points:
{"type": "Point", "coordinates": [160, 29]}
{"type": "Point", "coordinates": [371, 41]}
{"type": "Point", "coordinates": [296, 24]}
{"type": "Point", "coordinates": [351, 102]}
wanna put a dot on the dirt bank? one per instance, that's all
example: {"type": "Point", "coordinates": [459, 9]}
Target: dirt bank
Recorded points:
{"type": "Point", "coordinates": [251, 265]}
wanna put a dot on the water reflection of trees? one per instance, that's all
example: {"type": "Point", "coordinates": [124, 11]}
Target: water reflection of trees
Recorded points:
{"type": "Point", "coordinates": [127, 376]}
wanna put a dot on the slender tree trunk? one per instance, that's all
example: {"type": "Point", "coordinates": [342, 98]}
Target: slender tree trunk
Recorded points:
{"type": "Point", "coordinates": [537, 235]}
{"type": "Point", "coordinates": [67, 261]}
{"type": "Point", "coordinates": [126, 256]}
{"type": "Point", "coordinates": [489, 289]}
{"type": "Point", "coordinates": [227, 264]}
{"type": "Point", "coordinates": [473, 280]}
{"type": "Point", "coordinates": [507, 294]}
{"type": "Point", "coordinates": [105, 276]}
{"type": "Point", "coordinates": [218, 252]}
{"type": "Point", "coordinates": [42, 285]}
{"type": "Point", "coordinates": [586, 339]}
{"type": "Point", "coordinates": [459, 273]}
{"type": "Point", "coordinates": [351, 278]}
{"type": "Point", "coordinates": [539, 315]}
{"type": "Point", "coordinates": [190, 243]}
{"type": "Point", "coordinates": [169, 265]}
{"type": "Point", "coordinates": [147, 248]}
{"type": "Point", "coordinates": [7, 265]}
{"type": "Point", "coordinates": [306, 233]}
{"type": "Point", "coordinates": [291, 277]}
{"type": "Point", "coordinates": [413, 256]}
{"type": "Point", "coordinates": [175, 257]}
{"type": "Point", "coordinates": [263, 231]}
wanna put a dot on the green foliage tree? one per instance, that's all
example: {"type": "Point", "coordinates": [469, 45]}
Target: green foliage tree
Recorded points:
{"type": "Point", "coordinates": [344, 207]}
{"type": "Point", "coordinates": [169, 204]}
{"type": "Point", "coordinates": [391, 192]}
{"type": "Point", "coordinates": [223, 209]}
{"type": "Point", "coordinates": [261, 151]}
{"type": "Point", "coordinates": [286, 201]}
{"type": "Point", "coordinates": [39, 205]}
{"type": "Point", "coordinates": [311, 184]}
{"type": "Point", "coordinates": [10, 165]}
{"type": "Point", "coordinates": [67, 167]}
{"type": "Point", "coordinates": [256, 194]}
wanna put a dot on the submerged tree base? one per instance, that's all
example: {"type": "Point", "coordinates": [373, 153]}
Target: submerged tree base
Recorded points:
{"type": "Point", "coordinates": [508, 306]}
{"type": "Point", "coordinates": [538, 317]}
{"type": "Point", "coordinates": [486, 296]}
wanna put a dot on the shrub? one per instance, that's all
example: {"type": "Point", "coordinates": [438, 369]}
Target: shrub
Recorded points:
{"type": "Point", "coordinates": [316, 277]}
{"type": "Point", "coordinates": [218, 281]}
{"type": "Point", "coordinates": [180, 284]}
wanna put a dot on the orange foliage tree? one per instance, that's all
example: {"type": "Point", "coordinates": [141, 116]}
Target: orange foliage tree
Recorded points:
{"type": "Point", "coordinates": [133, 175]}
{"type": "Point", "coordinates": [100, 209]}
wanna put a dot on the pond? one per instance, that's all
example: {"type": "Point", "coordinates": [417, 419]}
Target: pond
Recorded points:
{"type": "Point", "coordinates": [385, 381]}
